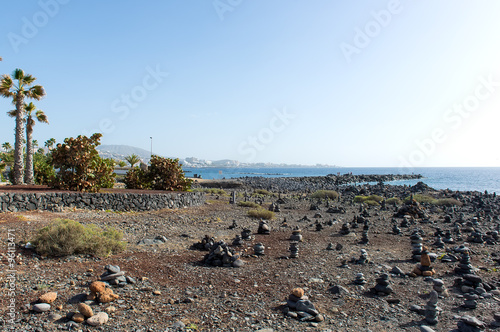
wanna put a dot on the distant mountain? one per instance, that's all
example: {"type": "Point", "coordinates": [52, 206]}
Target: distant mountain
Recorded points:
{"type": "Point", "coordinates": [119, 152]}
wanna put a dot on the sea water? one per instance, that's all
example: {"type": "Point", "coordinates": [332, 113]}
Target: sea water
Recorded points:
{"type": "Point", "coordinates": [454, 178]}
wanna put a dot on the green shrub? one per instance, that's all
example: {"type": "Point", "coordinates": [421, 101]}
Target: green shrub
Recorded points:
{"type": "Point", "coordinates": [421, 198]}
{"type": "Point", "coordinates": [167, 174]}
{"type": "Point", "coordinates": [137, 178]}
{"type": "Point", "coordinates": [261, 214]}
{"type": "Point", "coordinates": [264, 192]}
{"type": "Point", "coordinates": [43, 171]}
{"type": "Point", "coordinates": [249, 204]}
{"type": "Point", "coordinates": [370, 202]}
{"type": "Point", "coordinates": [80, 166]}
{"type": "Point", "coordinates": [447, 202]}
{"type": "Point", "coordinates": [331, 194]}
{"type": "Point", "coordinates": [68, 237]}
{"type": "Point", "coordinates": [162, 174]}
{"type": "Point", "coordinates": [393, 201]}
{"type": "Point", "coordinates": [364, 199]}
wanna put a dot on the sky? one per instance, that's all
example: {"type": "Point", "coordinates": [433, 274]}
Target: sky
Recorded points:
{"type": "Point", "coordinates": [347, 83]}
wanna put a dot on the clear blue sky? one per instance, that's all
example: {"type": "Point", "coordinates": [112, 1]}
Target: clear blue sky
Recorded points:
{"type": "Point", "coordinates": [350, 83]}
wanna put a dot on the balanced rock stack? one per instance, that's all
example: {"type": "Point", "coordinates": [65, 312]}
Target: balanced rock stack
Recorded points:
{"type": "Point", "coordinates": [263, 227]}
{"type": "Point", "coordinates": [246, 234]}
{"type": "Point", "coordinates": [431, 309]}
{"type": "Point", "coordinates": [221, 255]}
{"type": "Point", "coordinates": [470, 324]}
{"type": "Point", "coordinates": [424, 268]}
{"type": "Point", "coordinates": [447, 238]}
{"type": "Point", "coordinates": [439, 287]}
{"type": "Point", "coordinates": [299, 307]}
{"type": "Point", "coordinates": [238, 241]}
{"type": "Point", "coordinates": [113, 276]}
{"type": "Point", "coordinates": [360, 279]}
{"type": "Point", "coordinates": [464, 267]}
{"type": "Point", "coordinates": [345, 229]}
{"type": "Point", "coordinates": [470, 301]}
{"type": "Point", "coordinates": [416, 245]}
{"type": "Point", "coordinates": [383, 286]}
{"type": "Point", "coordinates": [439, 242]}
{"type": "Point", "coordinates": [395, 229]}
{"type": "Point", "coordinates": [363, 258]}
{"type": "Point", "coordinates": [258, 249]}
{"type": "Point", "coordinates": [296, 235]}
{"type": "Point", "coordinates": [294, 249]}
{"type": "Point", "coordinates": [204, 244]}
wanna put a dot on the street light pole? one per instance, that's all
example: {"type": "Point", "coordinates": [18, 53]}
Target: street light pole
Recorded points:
{"type": "Point", "coordinates": [151, 147]}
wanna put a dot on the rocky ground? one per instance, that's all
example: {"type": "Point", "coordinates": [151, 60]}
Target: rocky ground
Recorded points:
{"type": "Point", "coordinates": [175, 290]}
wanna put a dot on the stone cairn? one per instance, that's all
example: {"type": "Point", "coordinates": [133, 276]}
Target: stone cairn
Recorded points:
{"type": "Point", "coordinates": [476, 237]}
{"type": "Point", "coordinates": [246, 234]}
{"type": "Point", "coordinates": [424, 268]}
{"type": "Point", "coordinates": [439, 287]}
{"type": "Point", "coordinates": [204, 244]}
{"type": "Point", "coordinates": [363, 258]}
{"type": "Point", "coordinates": [296, 235]}
{"type": "Point", "coordinates": [464, 266]}
{"type": "Point", "coordinates": [395, 229]}
{"type": "Point", "coordinates": [447, 238]}
{"type": "Point", "coordinates": [383, 286]}
{"type": "Point", "coordinates": [258, 249]}
{"type": "Point", "coordinates": [263, 227]}
{"type": "Point", "coordinates": [416, 245]}
{"type": "Point", "coordinates": [360, 279]}
{"type": "Point", "coordinates": [364, 235]}
{"type": "Point", "coordinates": [431, 309]}
{"type": "Point", "coordinates": [345, 229]}
{"type": "Point", "coordinates": [113, 276]}
{"type": "Point", "coordinates": [294, 249]}
{"type": "Point", "coordinates": [299, 307]}
{"type": "Point", "coordinates": [237, 241]}
{"type": "Point", "coordinates": [470, 301]}
{"type": "Point", "coordinates": [439, 242]}
{"type": "Point", "coordinates": [405, 223]}
{"type": "Point", "coordinates": [220, 254]}
{"type": "Point", "coordinates": [470, 324]}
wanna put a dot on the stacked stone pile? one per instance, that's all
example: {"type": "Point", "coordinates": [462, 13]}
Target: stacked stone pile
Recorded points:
{"type": "Point", "coordinates": [220, 254]}
{"type": "Point", "coordinates": [115, 277]}
{"type": "Point", "coordinates": [299, 307]}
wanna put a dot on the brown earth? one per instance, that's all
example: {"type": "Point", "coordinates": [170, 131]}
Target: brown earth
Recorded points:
{"type": "Point", "coordinates": [174, 285]}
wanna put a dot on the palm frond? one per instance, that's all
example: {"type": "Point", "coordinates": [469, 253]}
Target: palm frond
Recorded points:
{"type": "Point", "coordinates": [28, 79]}
{"type": "Point", "coordinates": [6, 85]}
{"type": "Point", "coordinates": [41, 116]}
{"type": "Point", "coordinates": [36, 92]}
{"type": "Point", "coordinates": [18, 74]}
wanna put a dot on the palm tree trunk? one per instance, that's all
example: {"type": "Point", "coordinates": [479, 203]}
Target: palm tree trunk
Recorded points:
{"type": "Point", "coordinates": [18, 146]}
{"type": "Point", "coordinates": [28, 172]}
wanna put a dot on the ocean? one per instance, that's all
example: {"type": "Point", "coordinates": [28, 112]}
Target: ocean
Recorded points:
{"type": "Point", "coordinates": [454, 178]}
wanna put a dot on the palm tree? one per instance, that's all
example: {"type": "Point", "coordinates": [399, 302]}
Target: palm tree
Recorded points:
{"type": "Point", "coordinates": [31, 114]}
{"type": "Point", "coordinates": [49, 144]}
{"type": "Point", "coordinates": [132, 159]}
{"type": "Point", "coordinates": [18, 91]}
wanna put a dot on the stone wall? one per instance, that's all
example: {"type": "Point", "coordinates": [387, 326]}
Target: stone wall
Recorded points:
{"type": "Point", "coordinates": [13, 202]}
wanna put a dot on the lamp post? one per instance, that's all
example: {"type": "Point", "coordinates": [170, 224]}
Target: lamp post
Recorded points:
{"type": "Point", "coordinates": [151, 147]}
